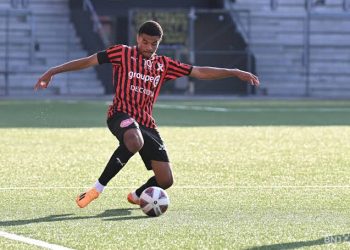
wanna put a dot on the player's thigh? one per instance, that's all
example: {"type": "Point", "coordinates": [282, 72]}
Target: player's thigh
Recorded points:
{"type": "Point", "coordinates": [127, 131]}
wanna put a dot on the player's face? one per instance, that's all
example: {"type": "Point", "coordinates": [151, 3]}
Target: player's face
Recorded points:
{"type": "Point", "coordinates": [147, 44]}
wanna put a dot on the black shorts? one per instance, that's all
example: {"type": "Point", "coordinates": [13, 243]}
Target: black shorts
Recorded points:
{"type": "Point", "coordinates": [153, 147]}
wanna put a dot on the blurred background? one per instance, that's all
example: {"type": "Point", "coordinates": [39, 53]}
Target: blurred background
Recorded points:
{"type": "Point", "coordinates": [298, 48]}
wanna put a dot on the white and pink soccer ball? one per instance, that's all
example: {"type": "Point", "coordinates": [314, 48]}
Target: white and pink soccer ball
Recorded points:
{"type": "Point", "coordinates": [154, 201]}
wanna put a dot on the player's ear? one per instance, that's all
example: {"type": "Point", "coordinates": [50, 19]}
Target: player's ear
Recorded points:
{"type": "Point", "coordinates": [138, 37]}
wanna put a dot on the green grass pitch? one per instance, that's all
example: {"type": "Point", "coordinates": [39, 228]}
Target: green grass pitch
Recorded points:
{"type": "Point", "coordinates": [248, 175]}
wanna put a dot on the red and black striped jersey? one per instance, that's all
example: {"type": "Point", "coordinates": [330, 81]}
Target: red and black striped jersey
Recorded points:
{"type": "Point", "coordinates": [137, 80]}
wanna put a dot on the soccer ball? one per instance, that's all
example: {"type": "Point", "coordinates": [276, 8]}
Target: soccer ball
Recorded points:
{"type": "Point", "coordinates": [154, 201]}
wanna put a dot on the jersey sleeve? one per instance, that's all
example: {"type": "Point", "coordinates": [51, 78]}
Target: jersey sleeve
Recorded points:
{"type": "Point", "coordinates": [176, 69]}
{"type": "Point", "coordinates": [111, 55]}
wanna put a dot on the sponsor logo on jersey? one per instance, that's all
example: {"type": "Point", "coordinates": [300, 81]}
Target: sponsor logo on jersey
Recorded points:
{"type": "Point", "coordinates": [145, 78]}
{"type": "Point", "coordinates": [156, 81]}
{"type": "Point", "coordinates": [141, 90]}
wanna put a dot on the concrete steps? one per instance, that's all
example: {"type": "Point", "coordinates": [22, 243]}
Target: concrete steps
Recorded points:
{"type": "Point", "coordinates": [56, 42]}
{"type": "Point", "coordinates": [277, 41]}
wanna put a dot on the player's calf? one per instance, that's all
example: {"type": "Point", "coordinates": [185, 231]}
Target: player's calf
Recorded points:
{"type": "Point", "coordinates": [166, 182]}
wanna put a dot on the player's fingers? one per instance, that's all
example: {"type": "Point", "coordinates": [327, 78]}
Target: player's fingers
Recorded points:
{"type": "Point", "coordinates": [254, 82]}
{"type": "Point", "coordinates": [43, 84]}
{"type": "Point", "coordinates": [257, 82]}
{"type": "Point", "coordinates": [40, 85]}
{"type": "Point", "coordinates": [254, 78]}
{"type": "Point", "coordinates": [36, 86]}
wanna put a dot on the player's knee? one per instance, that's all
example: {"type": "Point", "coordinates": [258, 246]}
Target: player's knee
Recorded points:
{"type": "Point", "coordinates": [166, 183]}
{"type": "Point", "coordinates": [133, 140]}
{"type": "Point", "coordinates": [135, 144]}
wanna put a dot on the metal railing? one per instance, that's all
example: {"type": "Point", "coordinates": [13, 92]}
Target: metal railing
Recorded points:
{"type": "Point", "coordinates": [28, 55]}
{"type": "Point", "coordinates": [237, 18]}
{"type": "Point", "coordinates": [19, 4]}
{"type": "Point", "coordinates": [243, 29]}
{"type": "Point", "coordinates": [98, 28]}
{"type": "Point", "coordinates": [6, 70]}
{"type": "Point", "coordinates": [310, 4]}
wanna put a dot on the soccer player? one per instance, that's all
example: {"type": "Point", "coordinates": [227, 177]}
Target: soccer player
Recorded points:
{"type": "Point", "coordinates": [138, 74]}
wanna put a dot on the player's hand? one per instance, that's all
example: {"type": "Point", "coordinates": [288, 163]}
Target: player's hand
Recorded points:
{"type": "Point", "coordinates": [248, 77]}
{"type": "Point", "coordinates": [44, 80]}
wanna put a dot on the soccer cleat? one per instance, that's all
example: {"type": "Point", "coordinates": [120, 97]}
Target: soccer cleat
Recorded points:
{"type": "Point", "coordinates": [133, 198]}
{"type": "Point", "coordinates": [85, 198]}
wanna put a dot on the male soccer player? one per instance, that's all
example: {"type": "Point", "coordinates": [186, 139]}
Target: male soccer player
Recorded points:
{"type": "Point", "coordinates": [138, 73]}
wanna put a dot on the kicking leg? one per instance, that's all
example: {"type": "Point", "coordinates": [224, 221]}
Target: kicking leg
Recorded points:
{"type": "Point", "coordinates": [163, 178]}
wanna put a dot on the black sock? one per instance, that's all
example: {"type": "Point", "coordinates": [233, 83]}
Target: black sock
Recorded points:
{"type": "Point", "coordinates": [150, 183]}
{"type": "Point", "coordinates": [117, 161]}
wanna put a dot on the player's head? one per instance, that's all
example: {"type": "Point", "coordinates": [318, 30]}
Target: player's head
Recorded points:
{"type": "Point", "coordinates": [148, 38]}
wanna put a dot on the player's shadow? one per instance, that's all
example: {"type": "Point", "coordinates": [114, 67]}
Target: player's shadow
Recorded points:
{"type": "Point", "coordinates": [108, 215]}
{"type": "Point", "coordinates": [301, 244]}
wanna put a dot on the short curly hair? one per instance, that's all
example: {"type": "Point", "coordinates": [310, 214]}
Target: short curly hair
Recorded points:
{"type": "Point", "coordinates": [151, 28]}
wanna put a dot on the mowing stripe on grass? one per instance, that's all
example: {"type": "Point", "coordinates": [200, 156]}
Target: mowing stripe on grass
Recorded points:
{"type": "Point", "coordinates": [190, 187]}
{"type": "Point", "coordinates": [32, 241]}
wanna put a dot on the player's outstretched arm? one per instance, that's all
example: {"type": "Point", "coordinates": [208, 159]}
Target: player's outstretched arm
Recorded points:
{"type": "Point", "coordinates": [78, 64]}
{"type": "Point", "coordinates": [210, 73]}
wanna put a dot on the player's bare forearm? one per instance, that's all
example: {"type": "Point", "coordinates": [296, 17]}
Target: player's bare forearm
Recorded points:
{"type": "Point", "coordinates": [211, 73]}
{"type": "Point", "coordinates": [78, 64]}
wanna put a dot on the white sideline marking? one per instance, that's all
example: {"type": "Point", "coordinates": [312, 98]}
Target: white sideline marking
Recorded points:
{"type": "Point", "coordinates": [190, 187]}
{"type": "Point", "coordinates": [260, 187]}
{"type": "Point", "coordinates": [32, 241]}
{"type": "Point", "coordinates": [254, 110]}
{"type": "Point", "coordinates": [198, 108]}
{"type": "Point", "coordinates": [292, 187]}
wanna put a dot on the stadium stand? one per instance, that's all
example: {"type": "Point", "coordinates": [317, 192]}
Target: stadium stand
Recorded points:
{"type": "Point", "coordinates": [297, 47]}
{"type": "Point", "coordinates": [288, 61]}
{"type": "Point", "coordinates": [40, 36]}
